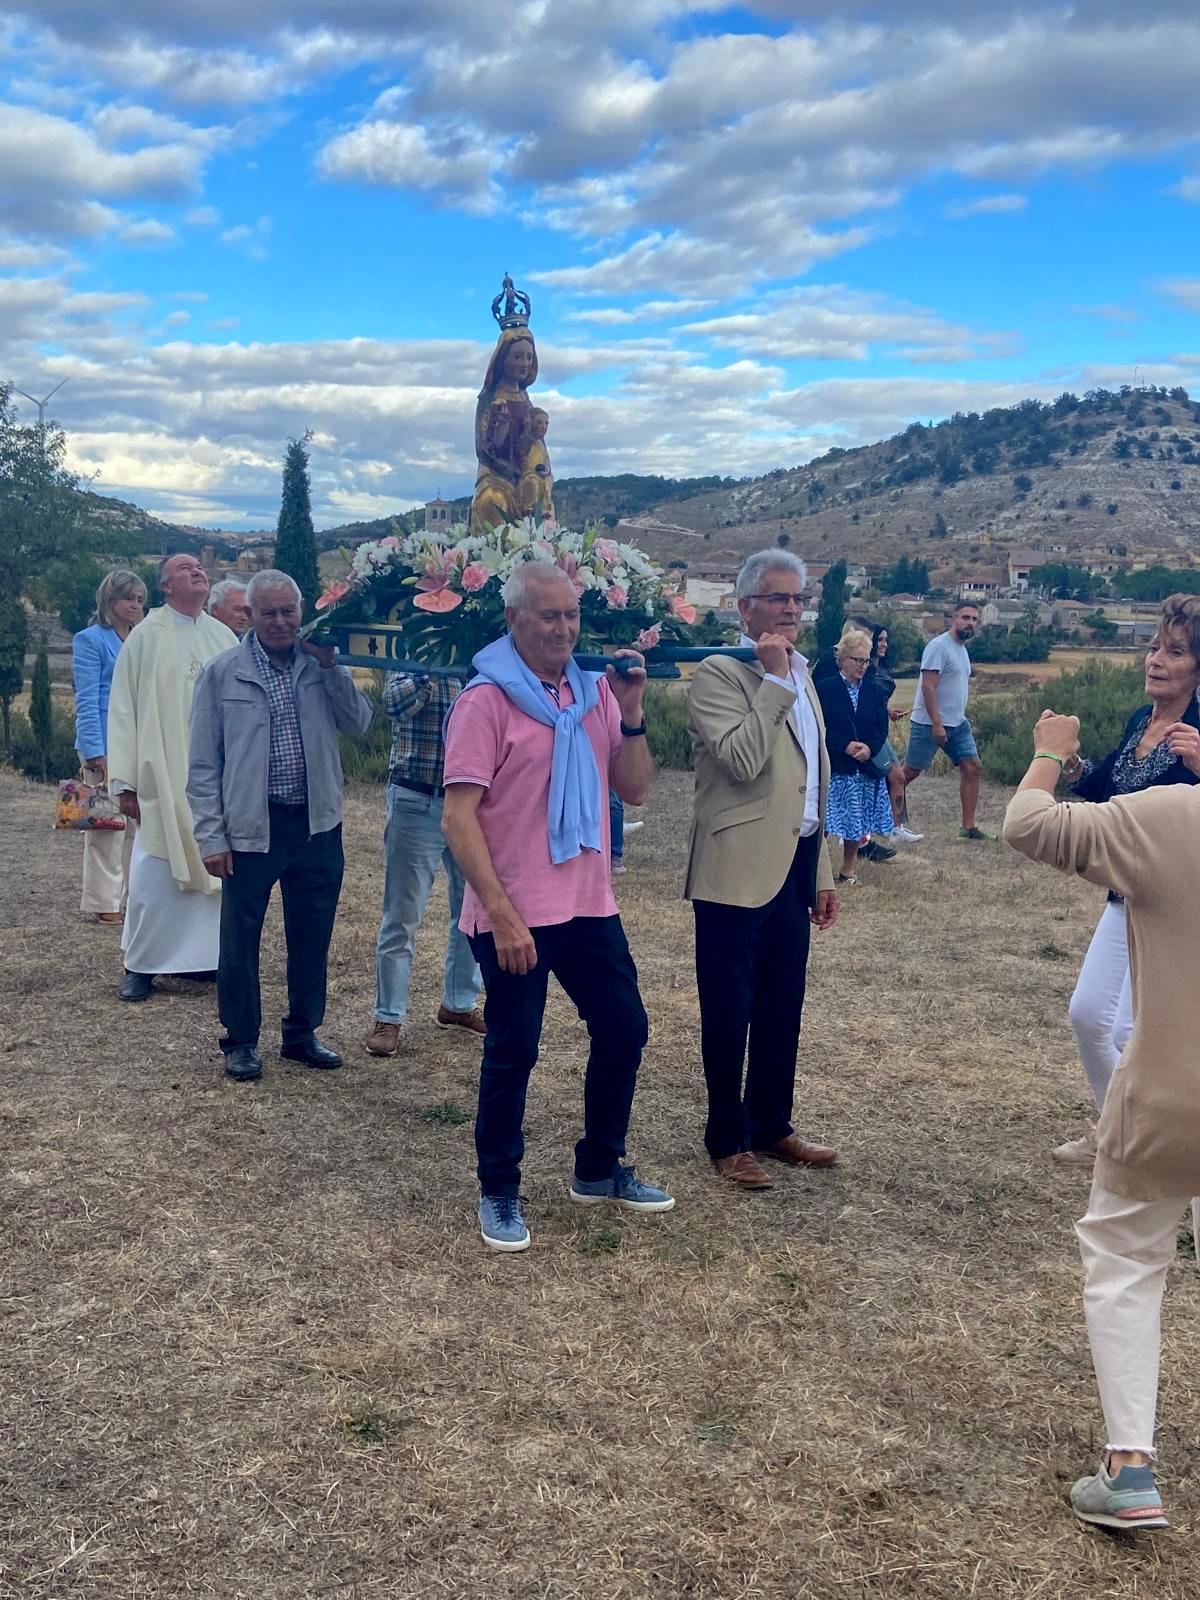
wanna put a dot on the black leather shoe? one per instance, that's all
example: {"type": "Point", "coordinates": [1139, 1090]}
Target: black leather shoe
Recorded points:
{"type": "Point", "coordinates": [198, 977]}
{"type": "Point", "coordinates": [877, 852]}
{"type": "Point", "coordinates": [312, 1053]}
{"type": "Point", "coordinates": [243, 1063]}
{"type": "Point", "coordinates": [137, 986]}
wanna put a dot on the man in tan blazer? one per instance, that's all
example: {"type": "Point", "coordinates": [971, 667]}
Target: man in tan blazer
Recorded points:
{"type": "Point", "coordinates": [758, 873]}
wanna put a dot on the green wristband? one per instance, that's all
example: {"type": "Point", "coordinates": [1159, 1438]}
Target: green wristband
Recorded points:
{"type": "Point", "coordinates": [1048, 755]}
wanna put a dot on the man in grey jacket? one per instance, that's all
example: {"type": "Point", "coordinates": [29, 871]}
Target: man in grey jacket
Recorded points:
{"type": "Point", "coordinates": [265, 789]}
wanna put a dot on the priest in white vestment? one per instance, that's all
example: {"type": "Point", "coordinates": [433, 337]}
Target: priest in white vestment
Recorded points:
{"type": "Point", "coordinates": [173, 915]}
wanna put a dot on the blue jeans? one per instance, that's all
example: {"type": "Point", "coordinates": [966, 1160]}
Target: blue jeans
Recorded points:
{"type": "Point", "coordinates": [413, 845]}
{"type": "Point", "coordinates": [616, 825]}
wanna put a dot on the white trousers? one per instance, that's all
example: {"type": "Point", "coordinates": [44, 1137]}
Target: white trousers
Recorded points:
{"type": "Point", "coordinates": [1101, 1009]}
{"type": "Point", "coordinates": [106, 855]}
{"type": "Point", "coordinates": [1127, 1247]}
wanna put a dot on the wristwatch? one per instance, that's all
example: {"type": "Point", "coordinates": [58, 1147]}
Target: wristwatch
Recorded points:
{"type": "Point", "coordinates": [1072, 768]}
{"type": "Point", "coordinates": [633, 733]}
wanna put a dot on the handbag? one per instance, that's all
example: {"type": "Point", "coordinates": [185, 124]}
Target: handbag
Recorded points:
{"type": "Point", "coordinates": [84, 805]}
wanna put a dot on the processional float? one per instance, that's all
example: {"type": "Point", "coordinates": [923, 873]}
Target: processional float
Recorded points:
{"type": "Point", "coordinates": [426, 602]}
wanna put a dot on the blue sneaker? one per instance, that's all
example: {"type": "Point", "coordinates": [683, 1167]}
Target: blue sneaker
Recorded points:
{"type": "Point", "coordinates": [501, 1223]}
{"type": "Point", "coordinates": [1130, 1500]}
{"type": "Point", "coordinates": [626, 1189]}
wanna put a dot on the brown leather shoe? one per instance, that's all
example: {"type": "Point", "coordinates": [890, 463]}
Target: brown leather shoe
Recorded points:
{"type": "Point", "coordinates": [383, 1038]}
{"type": "Point", "coordinates": [743, 1171]}
{"type": "Point", "coordinates": [112, 918]}
{"type": "Point", "coordinates": [472, 1021]}
{"type": "Point", "coordinates": [798, 1152]}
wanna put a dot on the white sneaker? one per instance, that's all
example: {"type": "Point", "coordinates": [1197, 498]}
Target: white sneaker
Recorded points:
{"type": "Point", "coordinates": [632, 827]}
{"type": "Point", "coordinates": [905, 834]}
{"type": "Point", "coordinates": [1077, 1152]}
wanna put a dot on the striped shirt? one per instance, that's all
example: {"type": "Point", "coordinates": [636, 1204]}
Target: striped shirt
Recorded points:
{"type": "Point", "coordinates": [418, 707]}
{"type": "Point", "coordinates": [287, 775]}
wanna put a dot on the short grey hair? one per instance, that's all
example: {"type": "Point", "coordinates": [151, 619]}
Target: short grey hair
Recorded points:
{"type": "Point", "coordinates": [272, 578]}
{"type": "Point", "coordinates": [220, 592]}
{"type": "Point", "coordinates": [517, 584]}
{"type": "Point", "coordinates": [755, 568]}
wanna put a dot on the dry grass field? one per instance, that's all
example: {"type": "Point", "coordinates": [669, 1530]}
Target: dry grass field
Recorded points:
{"type": "Point", "coordinates": [254, 1349]}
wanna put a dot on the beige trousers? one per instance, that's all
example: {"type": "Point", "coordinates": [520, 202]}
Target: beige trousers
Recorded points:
{"type": "Point", "coordinates": [106, 856]}
{"type": "Point", "coordinates": [1127, 1248]}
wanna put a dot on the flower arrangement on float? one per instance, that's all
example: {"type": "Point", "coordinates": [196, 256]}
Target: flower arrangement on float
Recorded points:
{"type": "Point", "coordinates": [446, 590]}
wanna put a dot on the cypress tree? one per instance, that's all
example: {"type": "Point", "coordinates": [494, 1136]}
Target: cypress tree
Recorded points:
{"type": "Point", "coordinates": [41, 716]}
{"type": "Point", "coordinates": [831, 613]}
{"type": "Point", "coordinates": [295, 541]}
{"type": "Point", "coordinates": [14, 636]}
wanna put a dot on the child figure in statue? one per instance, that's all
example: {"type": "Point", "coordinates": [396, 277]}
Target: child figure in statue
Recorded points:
{"type": "Point", "coordinates": [502, 414]}
{"type": "Point", "coordinates": [535, 491]}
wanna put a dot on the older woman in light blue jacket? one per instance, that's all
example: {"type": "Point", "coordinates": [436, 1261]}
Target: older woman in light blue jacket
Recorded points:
{"type": "Point", "coordinates": [120, 601]}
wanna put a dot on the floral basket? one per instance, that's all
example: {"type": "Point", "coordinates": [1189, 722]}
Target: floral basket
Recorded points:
{"type": "Point", "coordinates": [446, 591]}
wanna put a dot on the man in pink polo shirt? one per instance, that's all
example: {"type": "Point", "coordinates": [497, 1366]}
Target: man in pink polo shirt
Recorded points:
{"type": "Point", "coordinates": [531, 747]}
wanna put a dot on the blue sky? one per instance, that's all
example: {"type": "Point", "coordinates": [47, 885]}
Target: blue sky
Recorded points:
{"type": "Point", "coordinates": [748, 232]}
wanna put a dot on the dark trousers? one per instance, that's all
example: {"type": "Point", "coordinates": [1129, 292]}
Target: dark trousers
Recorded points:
{"type": "Point", "coordinates": [750, 970]}
{"type": "Point", "coordinates": [590, 958]}
{"type": "Point", "coordinates": [308, 870]}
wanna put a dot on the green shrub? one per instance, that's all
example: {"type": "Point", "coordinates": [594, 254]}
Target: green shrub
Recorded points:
{"type": "Point", "coordinates": [1101, 695]}
{"type": "Point", "coordinates": [61, 757]}
{"type": "Point", "coordinates": [366, 758]}
{"type": "Point", "coordinates": [667, 729]}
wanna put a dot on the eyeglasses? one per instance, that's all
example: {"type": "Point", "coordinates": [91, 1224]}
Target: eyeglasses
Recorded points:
{"type": "Point", "coordinates": [777, 598]}
{"type": "Point", "coordinates": [863, 661]}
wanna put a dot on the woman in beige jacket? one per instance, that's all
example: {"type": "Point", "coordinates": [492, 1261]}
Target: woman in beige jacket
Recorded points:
{"type": "Point", "coordinates": [1145, 847]}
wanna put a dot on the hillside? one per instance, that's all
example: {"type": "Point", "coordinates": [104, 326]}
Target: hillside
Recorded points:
{"type": "Point", "coordinates": [1110, 468]}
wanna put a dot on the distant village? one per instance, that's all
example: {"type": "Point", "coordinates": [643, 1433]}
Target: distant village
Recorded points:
{"type": "Point", "coordinates": [1002, 587]}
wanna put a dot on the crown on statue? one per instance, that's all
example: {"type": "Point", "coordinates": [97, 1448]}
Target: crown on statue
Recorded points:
{"type": "Point", "coordinates": [504, 306]}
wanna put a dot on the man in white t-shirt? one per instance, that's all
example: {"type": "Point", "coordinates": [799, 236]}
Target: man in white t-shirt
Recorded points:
{"type": "Point", "coordinates": [939, 714]}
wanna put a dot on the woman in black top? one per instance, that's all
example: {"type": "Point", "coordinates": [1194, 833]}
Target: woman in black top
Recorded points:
{"type": "Point", "coordinates": [1161, 744]}
{"type": "Point", "coordinates": [856, 722]}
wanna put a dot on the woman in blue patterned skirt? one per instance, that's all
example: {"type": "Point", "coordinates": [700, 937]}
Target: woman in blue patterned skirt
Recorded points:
{"type": "Point", "coordinates": [856, 729]}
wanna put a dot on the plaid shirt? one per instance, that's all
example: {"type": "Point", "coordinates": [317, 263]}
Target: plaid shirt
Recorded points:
{"type": "Point", "coordinates": [287, 775]}
{"type": "Point", "coordinates": [418, 707]}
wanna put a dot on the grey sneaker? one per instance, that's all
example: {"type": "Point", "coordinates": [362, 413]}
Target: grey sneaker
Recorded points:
{"type": "Point", "coordinates": [624, 1189]}
{"type": "Point", "coordinates": [1130, 1500]}
{"type": "Point", "coordinates": [501, 1223]}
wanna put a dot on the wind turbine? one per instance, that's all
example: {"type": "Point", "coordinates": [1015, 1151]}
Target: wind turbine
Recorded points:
{"type": "Point", "coordinates": [41, 404]}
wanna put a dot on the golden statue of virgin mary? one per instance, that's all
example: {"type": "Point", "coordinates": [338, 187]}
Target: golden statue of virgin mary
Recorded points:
{"type": "Point", "coordinates": [514, 478]}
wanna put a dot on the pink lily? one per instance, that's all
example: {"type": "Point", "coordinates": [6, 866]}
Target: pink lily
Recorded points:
{"type": "Point", "coordinates": [617, 597]}
{"type": "Point", "coordinates": [680, 608]}
{"type": "Point", "coordinates": [332, 595]}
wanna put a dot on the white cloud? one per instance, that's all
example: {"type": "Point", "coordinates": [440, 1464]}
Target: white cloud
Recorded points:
{"type": "Point", "coordinates": [57, 175]}
{"type": "Point", "coordinates": [1184, 291]}
{"type": "Point", "coordinates": [1188, 189]}
{"type": "Point", "coordinates": [1107, 313]}
{"type": "Point", "coordinates": [195, 297]}
{"type": "Point", "coordinates": [147, 232]}
{"type": "Point", "coordinates": [684, 264]}
{"type": "Point", "coordinates": [17, 254]}
{"type": "Point", "coordinates": [176, 319]}
{"type": "Point", "coordinates": [202, 217]}
{"type": "Point", "coordinates": [648, 311]}
{"type": "Point", "coordinates": [987, 205]}
{"type": "Point", "coordinates": [834, 323]}
{"type": "Point", "coordinates": [401, 155]}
